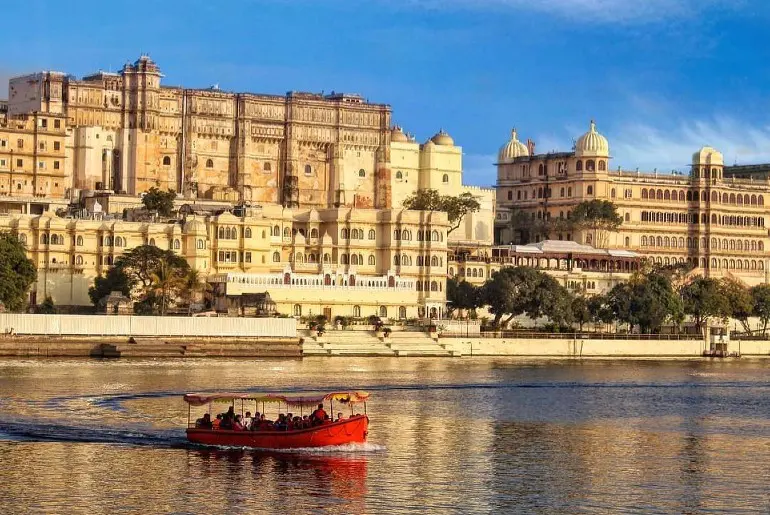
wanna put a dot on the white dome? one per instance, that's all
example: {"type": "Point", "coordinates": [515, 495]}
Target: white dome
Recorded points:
{"type": "Point", "coordinates": [708, 156]}
{"type": "Point", "coordinates": [592, 144]}
{"type": "Point", "coordinates": [513, 149]}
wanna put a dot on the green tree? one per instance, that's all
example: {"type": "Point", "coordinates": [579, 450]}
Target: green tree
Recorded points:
{"type": "Point", "coordinates": [456, 207]}
{"type": "Point", "coordinates": [17, 272]}
{"type": "Point", "coordinates": [142, 263]}
{"type": "Point", "coordinates": [581, 313]}
{"type": "Point", "coordinates": [600, 310]}
{"type": "Point", "coordinates": [599, 216]}
{"type": "Point", "coordinates": [760, 295]}
{"type": "Point", "coordinates": [194, 286]}
{"type": "Point", "coordinates": [462, 295]}
{"type": "Point", "coordinates": [704, 299]}
{"type": "Point", "coordinates": [646, 301]}
{"type": "Point", "coordinates": [160, 201]}
{"type": "Point", "coordinates": [46, 307]}
{"type": "Point", "coordinates": [168, 282]}
{"type": "Point", "coordinates": [739, 301]}
{"type": "Point", "coordinates": [514, 291]}
{"type": "Point", "coordinates": [116, 279]}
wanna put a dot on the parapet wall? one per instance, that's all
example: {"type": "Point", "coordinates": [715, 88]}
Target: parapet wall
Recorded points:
{"type": "Point", "coordinates": [138, 326]}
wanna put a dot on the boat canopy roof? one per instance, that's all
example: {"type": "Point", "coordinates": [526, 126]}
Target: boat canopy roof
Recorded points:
{"type": "Point", "coordinates": [291, 399]}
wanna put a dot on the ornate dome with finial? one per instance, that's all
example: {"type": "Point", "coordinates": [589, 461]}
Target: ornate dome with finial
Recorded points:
{"type": "Point", "coordinates": [708, 156]}
{"type": "Point", "coordinates": [194, 226]}
{"type": "Point", "coordinates": [592, 144]}
{"type": "Point", "coordinates": [442, 138]}
{"type": "Point", "coordinates": [397, 135]}
{"type": "Point", "coordinates": [513, 149]}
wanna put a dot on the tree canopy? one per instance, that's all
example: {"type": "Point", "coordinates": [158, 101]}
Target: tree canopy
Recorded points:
{"type": "Point", "coordinates": [152, 276]}
{"type": "Point", "coordinates": [17, 272]}
{"type": "Point", "coordinates": [703, 299]}
{"type": "Point", "coordinates": [514, 291]}
{"type": "Point", "coordinates": [462, 295]}
{"type": "Point", "coordinates": [599, 216]}
{"type": "Point", "coordinates": [160, 201]}
{"type": "Point", "coordinates": [646, 301]}
{"type": "Point", "coordinates": [456, 207]}
{"type": "Point", "coordinates": [760, 296]}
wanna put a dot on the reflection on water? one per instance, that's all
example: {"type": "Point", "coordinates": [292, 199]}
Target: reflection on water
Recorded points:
{"type": "Point", "coordinates": [468, 435]}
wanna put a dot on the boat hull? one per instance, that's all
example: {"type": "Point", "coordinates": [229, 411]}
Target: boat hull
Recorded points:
{"type": "Point", "coordinates": [352, 430]}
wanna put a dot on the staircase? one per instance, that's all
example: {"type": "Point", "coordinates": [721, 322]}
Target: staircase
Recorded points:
{"type": "Point", "coordinates": [366, 343]}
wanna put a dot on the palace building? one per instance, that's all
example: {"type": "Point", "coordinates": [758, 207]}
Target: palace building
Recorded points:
{"type": "Point", "coordinates": [298, 195]}
{"type": "Point", "coordinates": [712, 218]}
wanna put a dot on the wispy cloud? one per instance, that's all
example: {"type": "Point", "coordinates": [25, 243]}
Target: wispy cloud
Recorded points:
{"type": "Point", "coordinates": [593, 10]}
{"type": "Point", "coordinates": [648, 146]}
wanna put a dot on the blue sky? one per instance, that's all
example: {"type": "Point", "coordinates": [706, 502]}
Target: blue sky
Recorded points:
{"type": "Point", "coordinates": [661, 77]}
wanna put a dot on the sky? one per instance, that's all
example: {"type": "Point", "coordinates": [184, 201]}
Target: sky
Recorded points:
{"type": "Point", "coordinates": [660, 77]}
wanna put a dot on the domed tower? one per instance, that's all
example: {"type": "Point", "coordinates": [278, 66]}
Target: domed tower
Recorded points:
{"type": "Point", "coordinates": [197, 248]}
{"type": "Point", "coordinates": [512, 150]}
{"type": "Point", "coordinates": [441, 164]}
{"type": "Point", "coordinates": [592, 151]}
{"type": "Point", "coordinates": [707, 165]}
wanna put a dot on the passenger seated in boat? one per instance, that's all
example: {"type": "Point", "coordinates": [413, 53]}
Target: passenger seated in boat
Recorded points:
{"type": "Point", "coordinates": [237, 425]}
{"type": "Point", "coordinates": [340, 417]}
{"type": "Point", "coordinates": [326, 420]}
{"type": "Point", "coordinates": [306, 422]}
{"type": "Point", "coordinates": [217, 422]}
{"type": "Point", "coordinates": [246, 421]}
{"type": "Point", "coordinates": [280, 424]}
{"type": "Point", "coordinates": [255, 422]}
{"type": "Point", "coordinates": [227, 422]}
{"type": "Point", "coordinates": [290, 422]}
{"type": "Point", "coordinates": [319, 415]}
{"type": "Point", "coordinates": [204, 422]}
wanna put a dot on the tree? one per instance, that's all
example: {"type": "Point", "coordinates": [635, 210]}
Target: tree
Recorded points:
{"type": "Point", "coordinates": [455, 207]}
{"type": "Point", "coordinates": [646, 301]}
{"type": "Point", "coordinates": [760, 294]}
{"type": "Point", "coordinates": [17, 272]}
{"type": "Point", "coordinates": [739, 301]}
{"type": "Point", "coordinates": [194, 285]}
{"type": "Point", "coordinates": [116, 279]}
{"type": "Point", "coordinates": [581, 314]}
{"type": "Point", "coordinates": [160, 201]}
{"type": "Point", "coordinates": [142, 263]}
{"type": "Point", "coordinates": [599, 216]}
{"type": "Point", "coordinates": [167, 283]}
{"type": "Point", "coordinates": [703, 299]}
{"type": "Point", "coordinates": [46, 307]}
{"type": "Point", "coordinates": [514, 291]}
{"type": "Point", "coordinates": [462, 295]}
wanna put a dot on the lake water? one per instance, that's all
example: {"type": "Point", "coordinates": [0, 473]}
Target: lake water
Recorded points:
{"type": "Point", "coordinates": [446, 436]}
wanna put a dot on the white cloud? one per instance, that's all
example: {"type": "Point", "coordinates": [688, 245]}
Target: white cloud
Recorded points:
{"type": "Point", "coordinates": [648, 146]}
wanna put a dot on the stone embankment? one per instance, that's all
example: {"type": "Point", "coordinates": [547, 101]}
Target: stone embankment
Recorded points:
{"type": "Point", "coordinates": [168, 347]}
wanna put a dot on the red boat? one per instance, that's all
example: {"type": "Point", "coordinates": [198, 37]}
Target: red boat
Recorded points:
{"type": "Point", "coordinates": [353, 429]}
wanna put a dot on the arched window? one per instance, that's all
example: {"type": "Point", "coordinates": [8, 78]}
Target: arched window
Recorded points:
{"type": "Point", "coordinates": [357, 311]}
{"type": "Point", "coordinates": [445, 178]}
{"type": "Point", "coordinates": [276, 257]}
{"type": "Point", "coordinates": [644, 241]}
{"type": "Point", "coordinates": [612, 193]}
{"type": "Point", "coordinates": [406, 235]}
{"type": "Point", "coordinates": [510, 194]}
{"type": "Point", "coordinates": [659, 195]}
{"type": "Point", "coordinates": [399, 175]}
{"type": "Point", "coordinates": [569, 191]}
{"type": "Point", "coordinates": [590, 190]}
{"type": "Point", "coordinates": [166, 161]}
{"type": "Point", "coordinates": [344, 259]}
{"type": "Point", "coordinates": [199, 244]}
{"type": "Point", "coordinates": [209, 163]}
{"type": "Point", "coordinates": [434, 261]}
{"type": "Point", "coordinates": [276, 231]}
{"type": "Point", "coordinates": [666, 195]}
{"type": "Point", "coordinates": [78, 241]}
{"type": "Point", "coordinates": [44, 239]}
{"type": "Point", "coordinates": [396, 260]}
{"type": "Point", "coordinates": [177, 245]}
{"type": "Point", "coordinates": [402, 312]}
{"type": "Point", "coordinates": [433, 286]}
{"type": "Point", "coordinates": [644, 193]}
{"type": "Point", "coordinates": [308, 170]}
{"type": "Point", "coordinates": [354, 259]}
{"type": "Point", "coordinates": [590, 166]}
{"type": "Point", "coordinates": [362, 173]}
{"type": "Point", "coordinates": [372, 234]}
{"type": "Point", "coordinates": [297, 310]}
{"type": "Point", "coordinates": [314, 233]}
{"type": "Point", "coordinates": [221, 233]}
{"type": "Point", "coordinates": [286, 232]}
{"type": "Point", "coordinates": [628, 217]}
{"type": "Point", "coordinates": [79, 260]}
{"type": "Point", "coordinates": [247, 232]}
{"type": "Point", "coordinates": [383, 311]}
{"type": "Point", "coordinates": [372, 260]}
{"type": "Point", "coordinates": [266, 167]}
{"type": "Point", "coordinates": [602, 166]}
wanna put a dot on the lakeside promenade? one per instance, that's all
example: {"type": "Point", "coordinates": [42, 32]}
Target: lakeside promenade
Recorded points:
{"type": "Point", "coordinates": [188, 337]}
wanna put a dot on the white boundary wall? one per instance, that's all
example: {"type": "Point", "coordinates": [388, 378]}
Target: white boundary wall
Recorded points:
{"type": "Point", "coordinates": [117, 325]}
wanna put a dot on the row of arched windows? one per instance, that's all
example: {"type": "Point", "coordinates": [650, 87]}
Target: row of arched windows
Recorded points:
{"type": "Point", "coordinates": [117, 241]}
{"type": "Point", "coordinates": [353, 234]}
{"type": "Point", "coordinates": [694, 196]}
{"type": "Point", "coordinates": [429, 261]}
{"type": "Point", "coordinates": [231, 233]}
{"type": "Point", "coordinates": [692, 218]}
{"type": "Point", "coordinates": [54, 239]}
{"type": "Point", "coordinates": [591, 165]}
{"type": "Point", "coordinates": [714, 243]}
{"type": "Point", "coordinates": [429, 286]}
{"type": "Point", "coordinates": [402, 260]}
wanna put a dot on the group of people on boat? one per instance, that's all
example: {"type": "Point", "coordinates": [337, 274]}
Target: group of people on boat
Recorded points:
{"type": "Point", "coordinates": [285, 422]}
